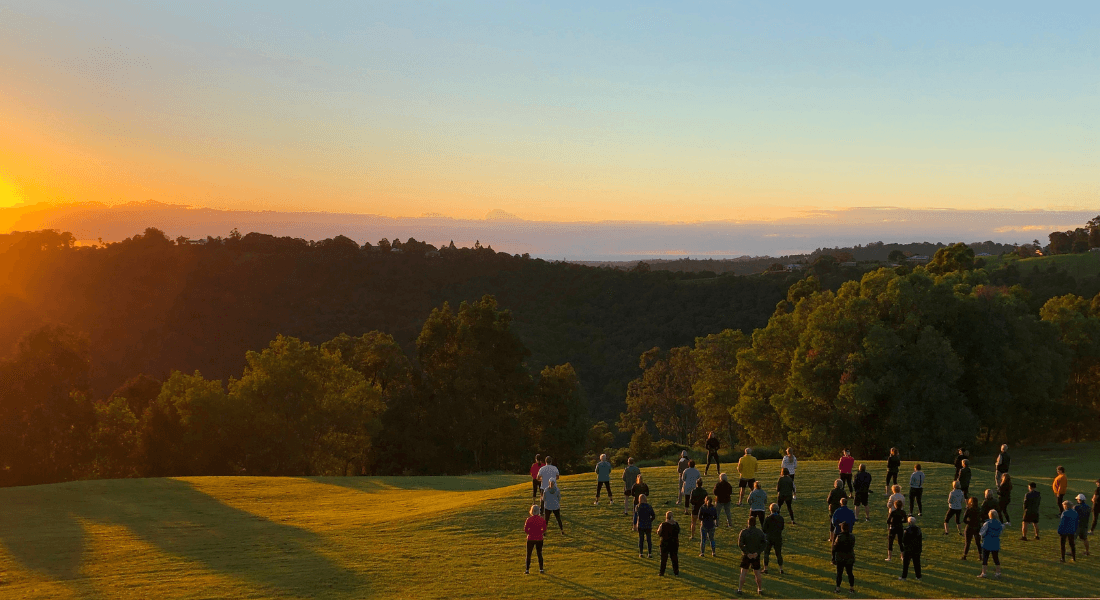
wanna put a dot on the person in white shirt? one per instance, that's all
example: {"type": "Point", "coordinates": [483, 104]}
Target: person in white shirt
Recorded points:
{"type": "Point", "coordinates": [897, 495]}
{"type": "Point", "coordinates": [682, 466]}
{"type": "Point", "coordinates": [547, 473]}
{"type": "Point", "coordinates": [789, 463]}
{"type": "Point", "coordinates": [687, 481]}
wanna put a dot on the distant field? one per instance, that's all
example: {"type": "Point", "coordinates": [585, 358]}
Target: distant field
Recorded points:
{"type": "Point", "coordinates": [1077, 265]}
{"type": "Point", "coordinates": [448, 537]}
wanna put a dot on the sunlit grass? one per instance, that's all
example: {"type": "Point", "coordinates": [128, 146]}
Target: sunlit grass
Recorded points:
{"type": "Point", "coordinates": [443, 537]}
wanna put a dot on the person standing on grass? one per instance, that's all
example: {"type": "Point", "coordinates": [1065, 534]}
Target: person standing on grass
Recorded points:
{"type": "Point", "coordinates": [1031, 511]}
{"type": "Point", "coordinates": [758, 503]}
{"type": "Point", "coordinates": [1067, 530]}
{"type": "Point", "coordinates": [547, 473]}
{"type": "Point", "coordinates": [960, 456]}
{"type": "Point", "coordinates": [603, 479]}
{"type": "Point", "coordinates": [708, 521]}
{"type": "Point", "coordinates": [1095, 503]}
{"type": "Point", "coordinates": [1060, 486]}
{"type": "Point", "coordinates": [535, 466]}
{"type": "Point", "coordinates": [844, 465]}
{"type": "Point", "coordinates": [784, 491]}
{"type": "Point", "coordinates": [551, 502]}
{"type": "Point", "coordinates": [751, 541]}
{"type": "Point", "coordinates": [639, 489]}
{"type": "Point", "coordinates": [991, 543]}
{"type": "Point", "coordinates": [955, 502]}
{"type": "Point", "coordinates": [669, 532]}
{"type": "Point", "coordinates": [833, 500]}
{"type": "Point", "coordinates": [688, 479]}
{"type": "Point", "coordinates": [773, 531]}
{"type": "Point", "coordinates": [1083, 511]}
{"type": "Point", "coordinates": [746, 468]}
{"type": "Point", "coordinates": [1003, 462]}
{"type": "Point", "coordinates": [893, 464]}
{"type": "Point", "coordinates": [912, 545]}
{"type": "Point", "coordinates": [789, 464]}
{"type": "Point", "coordinates": [843, 514]}
{"type": "Point", "coordinates": [895, 527]}
{"type": "Point", "coordinates": [897, 495]}
{"type": "Point", "coordinates": [916, 490]}
{"type": "Point", "coordinates": [863, 492]}
{"type": "Point", "coordinates": [644, 525]}
{"type": "Point", "coordinates": [681, 466]}
{"type": "Point", "coordinates": [723, 491]}
{"type": "Point", "coordinates": [713, 443]}
{"type": "Point", "coordinates": [1004, 498]}
{"type": "Point", "coordinates": [988, 505]}
{"type": "Point", "coordinates": [973, 521]}
{"type": "Point", "coordinates": [630, 477]}
{"type": "Point", "coordinates": [964, 478]}
{"type": "Point", "coordinates": [697, 499]}
{"type": "Point", "coordinates": [844, 557]}
{"type": "Point", "coordinates": [535, 527]}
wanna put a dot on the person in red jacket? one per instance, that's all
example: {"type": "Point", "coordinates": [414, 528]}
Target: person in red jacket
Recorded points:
{"type": "Point", "coordinates": [535, 527]}
{"type": "Point", "coordinates": [535, 476]}
{"type": "Point", "coordinates": [845, 467]}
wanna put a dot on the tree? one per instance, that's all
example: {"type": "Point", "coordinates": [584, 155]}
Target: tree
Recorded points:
{"type": "Point", "coordinates": [664, 395]}
{"type": "Point", "coordinates": [46, 419]}
{"type": "Point", "coordinates": [557, 420]}
{"type": "Point", "coordinates": [192, 428]}
{"type": "Point", "coordinates": [896, 256]}
{"type": "Point", "coordinates": [1079, 330]}
{"type": "Point", "coordinates": [717, 386]}
{"type": "Point", "coordinates": [599, 438]}
{"type": "Point", "coordinates": [956, 257]}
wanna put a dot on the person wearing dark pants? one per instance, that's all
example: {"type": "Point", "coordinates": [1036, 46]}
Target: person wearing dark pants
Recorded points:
{"type": "Point", "coordinates": [973, 521]}
{"type": "Point", "coordinates": [862, 484]}
{"type": "Point", "coordinates": [1083, 510]}
{"type": "Point", "coordinates": [965, 475]}
{"type": "Point", "coordinates": [895, 527]}
{"type": "Point", "coordinates": [784, 491]}
{"type": "Point", "coordinates": [916, 490]}
{"type": "Point", "coordinates": [603, 479]}
{"type": "Point", "coordinates": [1095, 502]}
{"type": "Point", "coordinates": [1060, 486]}
{"type": "Point", "coordinates": [893, 464]}
{"type": "Point", "coordinates": [1067, 530]}
{"type": "Point", "coordinates": [551, 503]}
{"type": "Point", "coordinates": [713, 443]}
{"type": "Point", "coordinates": [669, 532]}
{"type": "Point", "coordinates": [1004, 498]}
{"type": "Point", "coordinates": [991, 543]}
{"type": "Point", "coordinates": [644, 525]}
{"type": "Point", "coordinates": [844, 556]}
{"type": "Point", "coordinates": [773, 529]}
{"type": "Point", "coordinates": [1004, 461]}
{"type": "Point", "coordinates": [955, 504]}
{"type": "Point", "coordinates": [912, 544]}
{"type": "Point", "coordinates": [752, 542]}
{"type": "Point", "coordinates": [833, 500]}
{"type": "Point", "coordinates": [844, 466]}
{"type": "Point", "coordinates": [535, 476]}
{"type": "Point", "coordinates": [535, 527]}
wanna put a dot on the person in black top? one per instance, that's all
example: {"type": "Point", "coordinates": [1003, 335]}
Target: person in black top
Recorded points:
{"type": "Point", "coordinates": [959, 458]}
{"type": "Point", "coordinates": [1095, 502]}
{"type": "Point", "coordinates": [713, 443]}
{"type": "Point", "coordinates": [834, 501]}
{"type": "Point", "coordinates": [863, 492]}
{"type": "Point", "coordinates": [844, 556]}
{"type": "Point", "coordinates": [895, 527]}
{"type": "Point", "coordinates": [1004, 498]}
{"type": "Point", "coordinates": [669, 532]}
{"type": "Point", "coordinates": [773, 528]}
{"type": "Point", "coordinates": [1003, 462]}
{"type": "Point", "coordinates": [912, 544]}
{"type": "Point", "coordinates": [973, 520]}
{"type": "Point", "coordinates": [964, 477]}
{"type": "Point", "coordinates": [893, 464]}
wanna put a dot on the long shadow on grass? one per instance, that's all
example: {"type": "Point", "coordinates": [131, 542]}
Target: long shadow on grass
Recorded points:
{"type": "Point", "coordinates": [467, 483]}
{"type": "Point", "coordinates": [182, 521]}
{"type": "Point", "coordinates": [44, 540]}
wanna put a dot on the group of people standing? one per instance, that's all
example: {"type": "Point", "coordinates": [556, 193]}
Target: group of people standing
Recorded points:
{"type": "Point", "coordinates": [982, 522]}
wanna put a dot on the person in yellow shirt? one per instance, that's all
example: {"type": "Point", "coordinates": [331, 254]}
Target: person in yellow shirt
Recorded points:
{"type": "Point", "coordinates": [746, 467]}
{"type": "Point", "coordinates": [1061, 485]}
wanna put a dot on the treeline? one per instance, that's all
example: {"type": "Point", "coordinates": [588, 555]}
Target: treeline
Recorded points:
{"type": "Point", "coordinates": [352, 405]}
{"type": "Point", "coordinates": [1076, 241]}
{"type": "Point", "coordinates": [926, 359]}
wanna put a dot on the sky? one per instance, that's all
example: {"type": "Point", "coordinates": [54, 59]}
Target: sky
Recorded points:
{"type": "Point", "coordinates": [552, 111]}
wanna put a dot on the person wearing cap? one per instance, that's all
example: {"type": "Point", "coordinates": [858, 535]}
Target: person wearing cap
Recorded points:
{"type": "Point", "coordinates": [746, 468]}
{"type": "Point", "coordinates": [603, 479]}
{"type": "Point", "coordinates": [1060, 485]}
{"type": "Point", "coordinates": [681, 466]}
{"type": "Point", "coordinates": [1083, 510]}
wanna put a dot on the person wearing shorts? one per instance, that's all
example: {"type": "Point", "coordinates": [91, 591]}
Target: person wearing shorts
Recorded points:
{"type": "Point", "coordinates": [862, 484]}
{"type": "Point", "coordinates": [752, 542]}
{"type": "Point", "coordinates": [1031, 511]}
{"type": "Point", "coordinates": [746, 468]}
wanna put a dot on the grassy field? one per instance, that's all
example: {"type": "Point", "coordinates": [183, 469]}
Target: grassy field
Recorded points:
{"type": "Point", "coordinates": [451, 537]}
{"type": "Point", "coordinates": [1077, 265]}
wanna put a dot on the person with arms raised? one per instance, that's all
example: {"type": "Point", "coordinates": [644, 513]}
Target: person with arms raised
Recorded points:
{"type": "Point", "coordinates": [535, 527]}
{"type": "Point", "coordinates": [723, 492]}
{"type": "Point", "coordinates": [713, 444]}
{"type": "Point", "coordinates": [991, 543]}
{"type": "Point", "coordinates": [751, 541]}
{"type": "Point", "coordinates": [863, 492]}
{"type": "Point", "coordinates": [644, 525]}
{"type": "Point", "coordinates": [669, 532]}
{"type": "Point", "coordinates": [630, 477]}
{"type": "Point", "coordinates": [773, 529]}
{"type": "Point", "coordinates": [746, 468]}
{"type": "Point", "coordinates": [912, 546]}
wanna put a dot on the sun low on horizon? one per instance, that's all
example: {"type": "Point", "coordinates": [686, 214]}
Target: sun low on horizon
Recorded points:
{"type": "Point", "coordinates": [552, 112]}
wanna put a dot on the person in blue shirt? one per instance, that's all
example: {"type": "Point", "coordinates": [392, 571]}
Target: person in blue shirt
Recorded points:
{"type": "Point", "coordinates": [645, 516]}
{"type": "Point", "coordinates": [843, 515]}
{"type": "Point", "coordinates": [1083, 512]}
{"type": "Point", "coordinates": [1067, 530]}
{"type": "Point", "coordinates": [708, 521]}
{"type": "Point", "coordinates": [991, 542]}
{"type": "Point", "coordinates": [603, 479]}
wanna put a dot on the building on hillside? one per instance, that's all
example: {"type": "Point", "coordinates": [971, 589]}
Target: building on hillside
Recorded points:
{"type": "Point", "coordinates": [919, 258]}
{"type": "Point", "coordinates": [795, 266]}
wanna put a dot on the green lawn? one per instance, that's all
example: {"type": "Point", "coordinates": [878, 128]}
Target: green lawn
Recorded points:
{"type": "Point", "coordinates": [1078, 265]}
{"type": "Point", "coordinates": [462, 537]}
